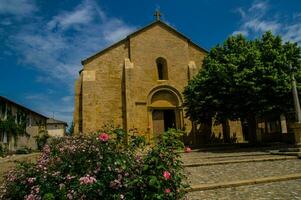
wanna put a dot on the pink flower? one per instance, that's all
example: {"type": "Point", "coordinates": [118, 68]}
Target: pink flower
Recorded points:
{"type": "Point", "coordinates": [115, 184]}
{"type": "Point", "coordinates": [87, 180]}
{"type": "Point", "coordinates": [31, 180]}
{"type": "Point", "coordinates": [31, 197]}
{"type": "Point", "coordinates": [35, 189]}
{"type": "Point", "coordinates": [187, 149]}
{"type": "Point", "coordinates": [103, 137]}
{"type": "Point", "coordinates": [167, 190]}
{"type": "Point", "coordinates": [69, 177]}
{"type": "Point", "coordinates": [166, 175]}
{"type": "Point", "coordinates": [69, 196]}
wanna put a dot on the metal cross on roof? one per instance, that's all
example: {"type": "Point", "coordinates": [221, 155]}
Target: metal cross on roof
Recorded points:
{"type": "Point", "coordinates": [157, 14]}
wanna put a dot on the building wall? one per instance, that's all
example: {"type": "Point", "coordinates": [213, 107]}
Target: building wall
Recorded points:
{"type": "Point", "coordinates": [101, 97]}
{"type": "Point", "coordinates": [34, 124]}
{"type": "Point", "coordinates": [56, 130]}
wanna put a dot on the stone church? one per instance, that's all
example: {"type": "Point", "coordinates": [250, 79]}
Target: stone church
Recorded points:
{"type": "Point", "coordinates": [138, 83]}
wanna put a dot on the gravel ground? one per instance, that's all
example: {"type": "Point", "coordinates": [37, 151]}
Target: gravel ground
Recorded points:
{"type": "Point", "coordinates": [241, 171]}
{"type": "Point", "coordinates": [286, 190]}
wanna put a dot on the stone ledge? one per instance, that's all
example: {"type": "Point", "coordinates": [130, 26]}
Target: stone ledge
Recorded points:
{"type": "Point", "coordinates": [227, 156]}
{"type": "Point", "coordinates": [240, 161]}
{"type": "Point", "coordinates": [243, 182]}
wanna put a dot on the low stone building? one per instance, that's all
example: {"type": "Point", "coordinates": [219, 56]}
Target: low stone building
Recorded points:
{"type": "Point", "coordinates": [28, 124]}
{"type": "Point", "coordinates": [56, 128]}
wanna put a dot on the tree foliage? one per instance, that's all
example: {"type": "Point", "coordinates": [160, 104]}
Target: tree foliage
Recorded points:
{"type": "Point", "coordinates": [71, 129]}
{"type": "Point", "coordinates": [244, 79]}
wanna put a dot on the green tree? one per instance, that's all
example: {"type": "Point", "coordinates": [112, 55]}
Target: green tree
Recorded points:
{"type": "Point", "coordinates": [71, 129]}
{"type": "Point", "coordinates": [242, 80]}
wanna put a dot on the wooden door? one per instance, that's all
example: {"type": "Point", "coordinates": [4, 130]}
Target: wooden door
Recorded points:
{"type": "Point", "coordinates": [158, 122]}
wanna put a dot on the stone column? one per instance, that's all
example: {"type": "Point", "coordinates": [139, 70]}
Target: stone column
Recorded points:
{"type": "Point", "coordinates": [128, 81]}
{"type": "Point", "coordinates": [192, 70]}
{"type": "Point", "coordinates": [283, 124]}
{"type": "Point", "coordinates": [296, 127]}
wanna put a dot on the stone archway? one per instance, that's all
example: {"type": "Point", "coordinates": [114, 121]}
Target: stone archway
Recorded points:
{"type": "Point", "coordinates": [164, 109]}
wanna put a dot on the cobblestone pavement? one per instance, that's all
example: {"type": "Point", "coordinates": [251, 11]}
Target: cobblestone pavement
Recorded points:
{"type": "Point", "coordinates": [222, 173]}
{"type": "Point", "coordinates": [284, 190]}
{"type": "Point", "coordinates": [242, 171]}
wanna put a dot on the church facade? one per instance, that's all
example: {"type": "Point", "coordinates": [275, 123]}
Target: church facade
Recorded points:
{"type": "Point", "coordinates": [137, 83]}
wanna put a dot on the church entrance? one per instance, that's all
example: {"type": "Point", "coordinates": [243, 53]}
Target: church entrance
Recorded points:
{"type": "Point", "coordinates": [163, 120]}
{"type": "Point", "coordinates": [164, 110]}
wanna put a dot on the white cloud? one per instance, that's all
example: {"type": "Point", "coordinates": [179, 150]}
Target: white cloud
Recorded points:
{"type": "Point", "coordinates": [115, 30]}
{"type": "Point", "coordinates": [258, 6]}
{"type": "Point", "coordinates": [293, 33]}
{"type": "Point", "coordinates": [240, 32]}
{"type": "Point", "coordinates": [81, 15]}
{"type": "Point", "coordinates": [57, 46]}
{"type": "Point", "coordinates": [17, 7]}
{"type": "Point", "coordinates": [253, 20]}
{"type": "Point", "coordinates": [261, 25]}
{"type": "Point", "coordinates": [258, 19]}
{"type": "Point", "coordinates": [54, 47]}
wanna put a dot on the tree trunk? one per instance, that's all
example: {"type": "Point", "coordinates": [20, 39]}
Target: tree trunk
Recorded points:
{"type": "Point", "coordinates": [251, 122]}
{"type": "Point", "coordinates": [206, 130]}
{"type": "Point", "coordinates": [226, 131]}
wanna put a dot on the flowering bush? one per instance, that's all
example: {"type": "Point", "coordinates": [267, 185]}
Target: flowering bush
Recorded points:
{"type": "Point", "coordinates": [187, 150]}
{"type": "Point", "coordinates": [101, 166]}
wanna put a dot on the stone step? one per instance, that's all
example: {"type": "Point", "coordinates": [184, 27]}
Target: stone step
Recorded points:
{"type": "Point", "coordinates": [244, 182]}
{"type": "Point", "coordinates": [215, 159]}
{"type": "Point", "coordinates": [224, 162]}
{"type": "Point", "coordinates": [222, 154]}
{"type": "Point", "coordinates": [284, 189]}
{"type": "Point", "coordinates": [209, 174]}
{"type": "Point", "coordinates": [200, 156]}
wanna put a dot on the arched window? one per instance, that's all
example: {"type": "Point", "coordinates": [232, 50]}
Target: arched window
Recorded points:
{"type": "Point", "coordinates": [162, 69]}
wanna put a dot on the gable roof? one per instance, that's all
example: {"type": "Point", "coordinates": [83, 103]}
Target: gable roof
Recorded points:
{"type": "Point", "coordinates": [55, 121]}
{"type": "Point", "coordinates": [157, 22]}
{"type": "Point", "coordinates": [21, 106]}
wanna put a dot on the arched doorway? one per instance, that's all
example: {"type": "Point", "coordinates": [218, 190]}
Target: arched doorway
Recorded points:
{"type": "Point", "coordinates": [165, 109]}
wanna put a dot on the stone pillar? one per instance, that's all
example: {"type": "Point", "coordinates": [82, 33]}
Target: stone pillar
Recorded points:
{"type": "Point", "coordinates": [77, 114]}
{"type": "Point", "coordinates": [283, 124]}
{"type": "Point", "coordinates": [295, 128]}
{"type": "Point", "coordinates": [297, 133]}
{"type": "Point", "coordinates": [128, 103]}
{"type": "Point", "coordinates": [192, 70]}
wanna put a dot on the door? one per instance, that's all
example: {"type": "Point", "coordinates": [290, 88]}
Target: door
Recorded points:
{"type": "Point", "coordinates": [169, 119]}
{"type": "Point", "coordinates": [163, 120]}
{"type": "Point", "coordinates": [158, 122]}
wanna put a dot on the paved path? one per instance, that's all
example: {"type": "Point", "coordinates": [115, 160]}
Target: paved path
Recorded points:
{"type": "Point", "coordinates": [9, 163]}
{"type": "Point", "coordinates": [245, 172]}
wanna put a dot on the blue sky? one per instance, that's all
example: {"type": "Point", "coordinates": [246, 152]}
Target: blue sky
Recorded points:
{"type": "Point", "coordinates": [42, 42]}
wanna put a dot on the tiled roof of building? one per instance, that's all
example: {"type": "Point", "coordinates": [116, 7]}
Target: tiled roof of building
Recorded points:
{"type": "Point", "coordinates": [55, 121]}
{"type": "Point", "coordinates": [21, 106]}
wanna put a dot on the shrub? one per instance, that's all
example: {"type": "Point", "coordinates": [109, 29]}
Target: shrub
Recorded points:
{"type": "Point", "coordinates": [41, 139]}
{"type": "Point", "coordinates": [3, 150]}
{"type": "Point", "coordinates": [101, 166]}
{"type": "Point", "coordinates": [23, 150]}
